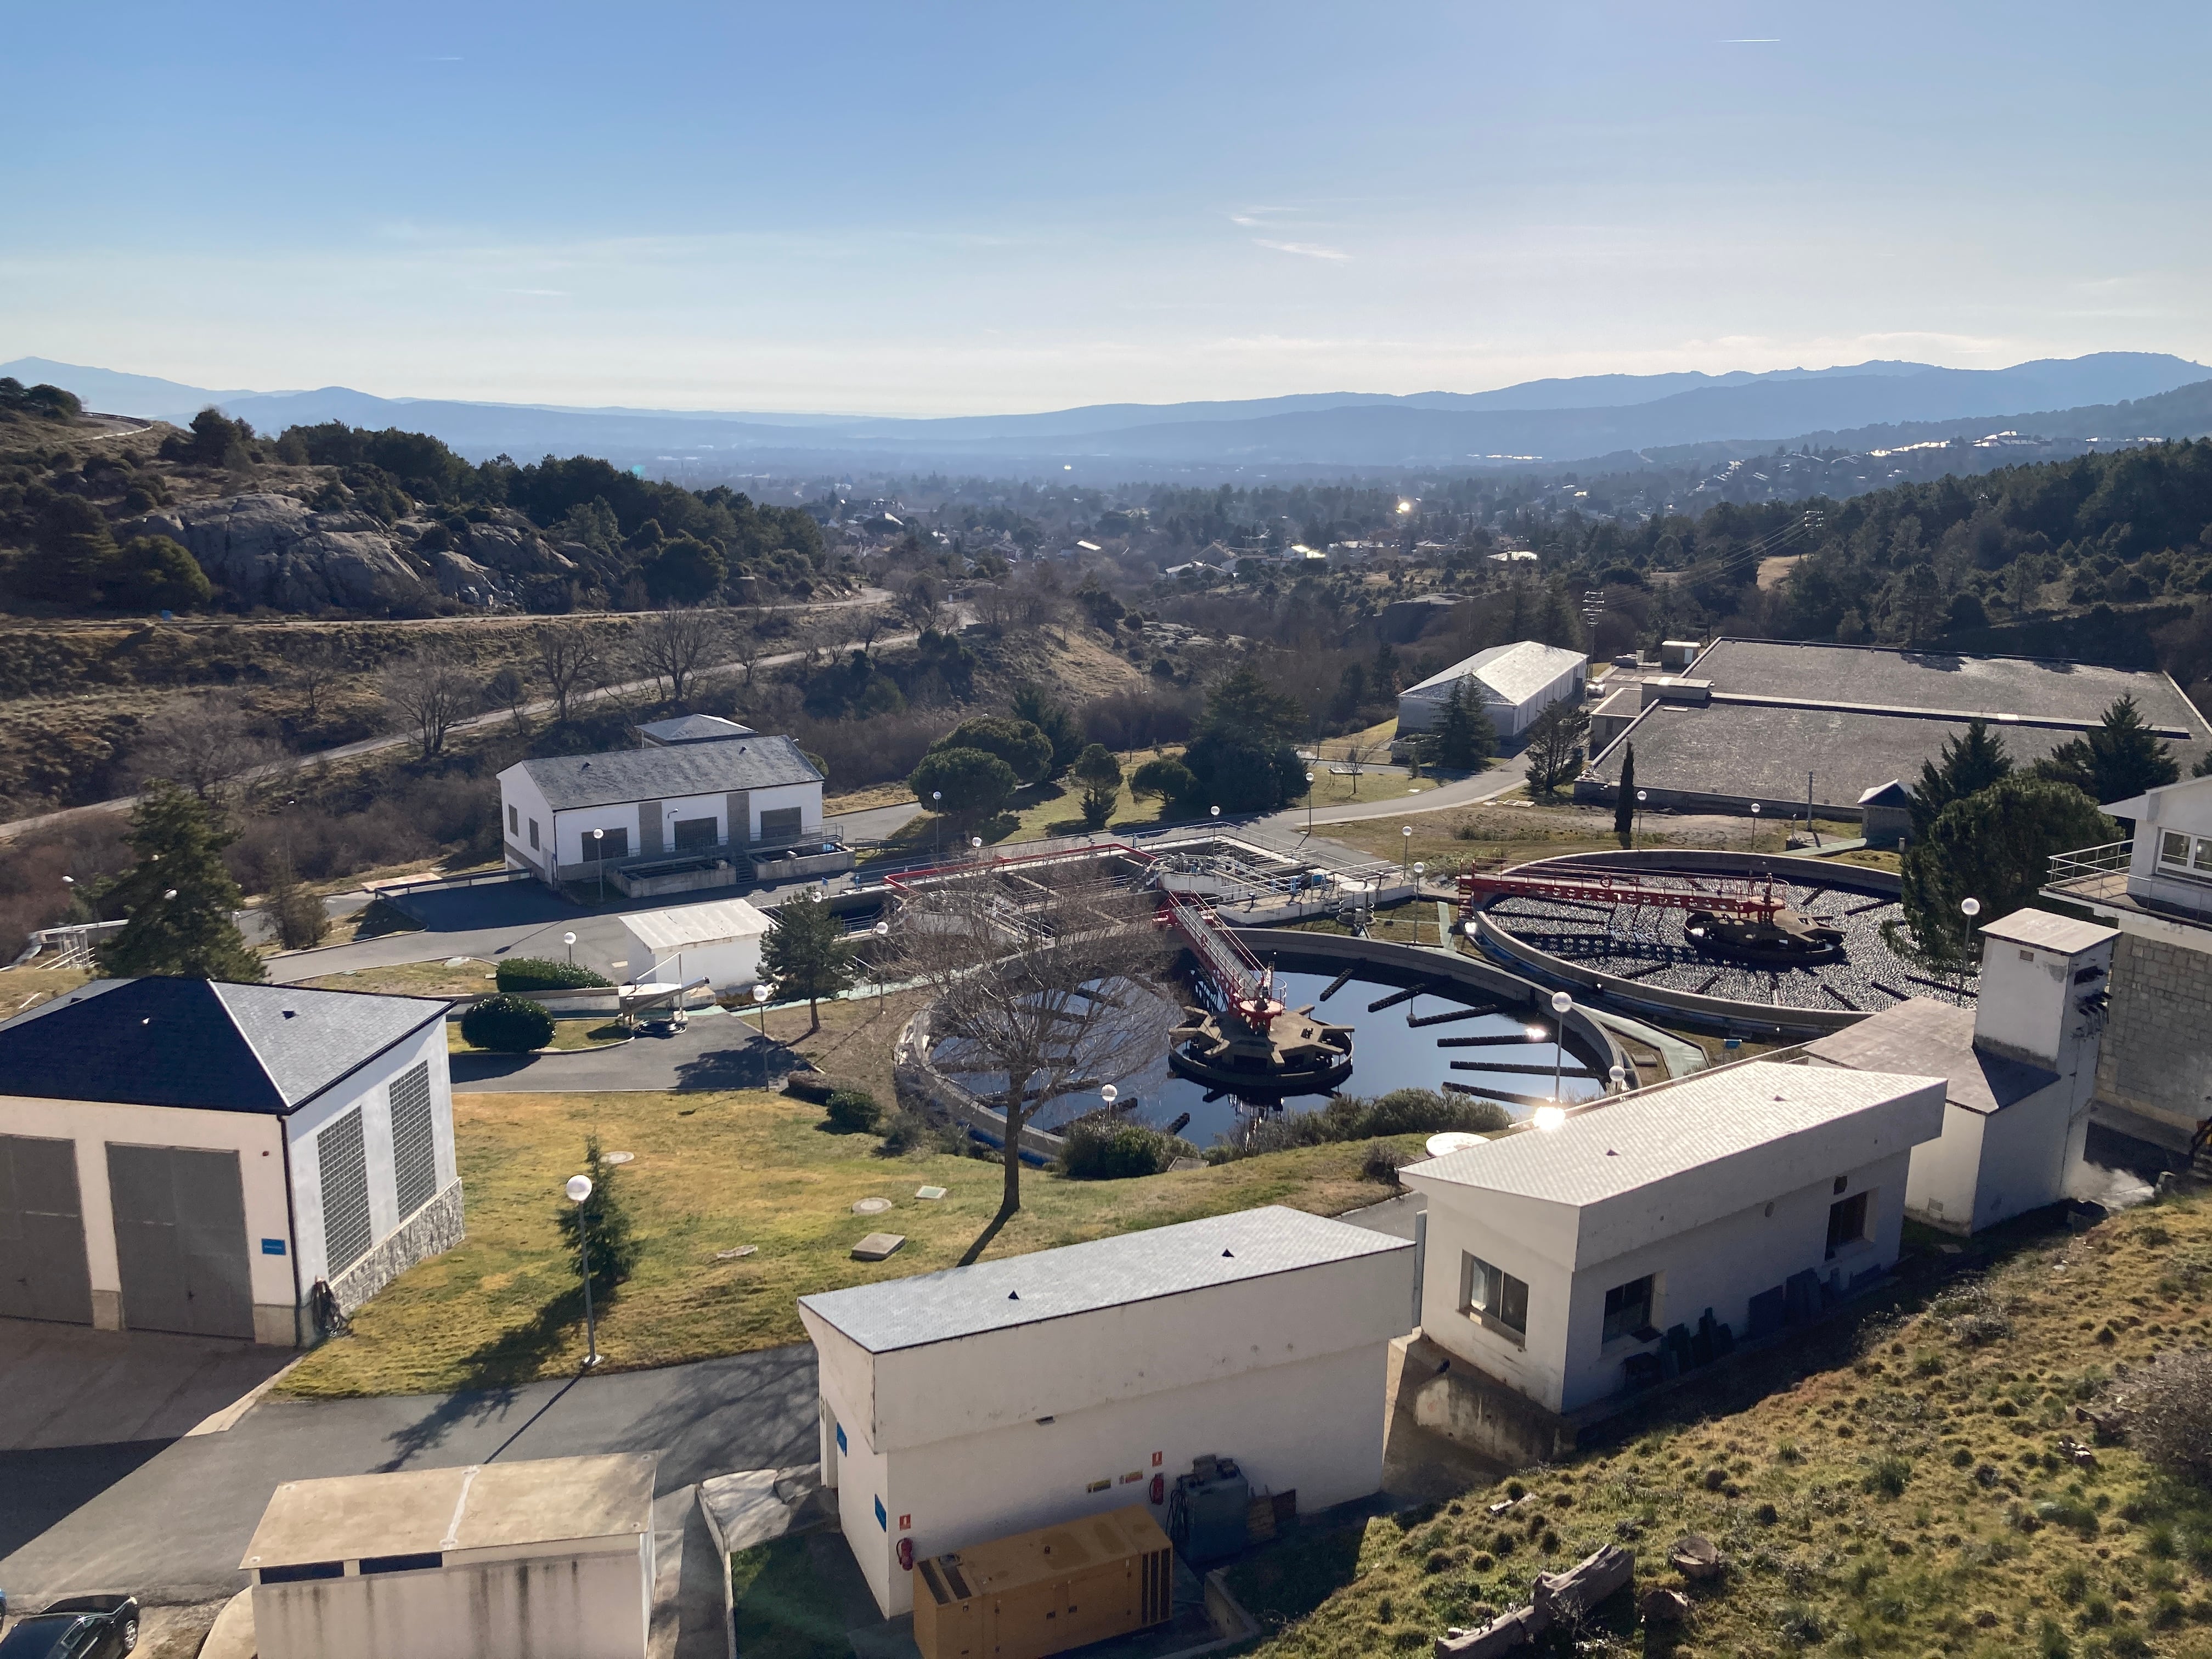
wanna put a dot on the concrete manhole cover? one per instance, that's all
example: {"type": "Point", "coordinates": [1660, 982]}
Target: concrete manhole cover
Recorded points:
{"type": "Point", "coordinates": [871, 1206]}
{"type": "Point", "coordinates": [732, 1255]}
{"type": "Point", "coordinates": [622, 1158]}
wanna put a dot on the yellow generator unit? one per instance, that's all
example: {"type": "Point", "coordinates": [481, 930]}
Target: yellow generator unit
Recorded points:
{"type": "Point", "coordinates": [1046, 1591]}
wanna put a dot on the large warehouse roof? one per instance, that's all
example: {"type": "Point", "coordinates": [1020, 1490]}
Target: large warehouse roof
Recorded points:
{"type": "Point", "coordinates": [1513, 673]}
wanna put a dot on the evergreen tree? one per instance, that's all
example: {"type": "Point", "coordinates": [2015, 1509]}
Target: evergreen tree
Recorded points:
{"type": "Point", "coordinates": [1465, 738]}
{"type": "Point", "coordinates": [1037, 706]}
{"type": "Point", "coordinates": [1967, 765]}
{"type": "Point", "coordinates": [2117, 761]}
{"type": "Point", "coordinates": [805, 953]}
{"type": "Point", "coordinates": [613, 1250]}
{"type": "Point", "coordinates": [1624, 799]}
{"type": "Point", "coordinates": [1241, 760]}
{"type": "Point", "coordinates": [1996, 846]}
{"type": "Point", "coordinates": [178, 898]}
{"type": "Point", "coordinates": [1100, 774]}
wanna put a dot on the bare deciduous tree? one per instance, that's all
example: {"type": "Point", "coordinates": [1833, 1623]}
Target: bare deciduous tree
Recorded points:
{"type": "Point", "coordinates": [316, 665]}
{"type": "Point", "coordinates": [206, 744]}
{"type": "Point", "coordinates": [431, 691]}
{"type": "Point", "coordinates": [869, 624]}
{"type": "Point", "coordinates": [1040, 980]}
{"type": "Point", "coordinates": [570, 660]}
{"type": "Point", "coordinates": [675, 644]}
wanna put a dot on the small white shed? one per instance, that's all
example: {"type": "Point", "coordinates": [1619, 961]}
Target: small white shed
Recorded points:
{"type": "Point", "coordinates": [961, 1406]}
{"type": "Point", "coordinates": [545, 1559]}
{"type": "Point", "coordinates": [1553, 1256]}
{"type": "Point", "coordinates": [721, 940]}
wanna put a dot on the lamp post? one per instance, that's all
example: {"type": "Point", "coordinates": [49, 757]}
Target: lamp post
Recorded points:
{"type": "Point", "coordinates": [1754, 826]}
{"type": "Point", "coordinates": [1217, 817]}
{"type": "Point", "coordinates": [937, 807]}
{"type": "Point", "coordinates": [1560, 1003]}
{"type": "Point", "coordinates": [1617, 1077]}
{"type": "Point", "coordinates": [1638, 823]}
{"type": "Point", "coordinates": [1406, 849]}
{"type": "Point", "coordinates": [1109, 1094]}
{"type": "Point", "coordinates": [760, 1001]}
{"type": "Point", "coordinates": [1309, 784]}
{"type": "Point", "coordinates": [882, 931]}
{"type": "Point", "coordinates": [599, 857]}
{"type": "Point", "coordinates": [1970, 908]}
{"type": "Point", "coordinates": [569, 939]}
{"type": "Point", "coordinates": [579, 1189]}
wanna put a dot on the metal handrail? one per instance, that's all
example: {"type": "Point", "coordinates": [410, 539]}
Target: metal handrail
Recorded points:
{"type": "Point", "coordinates": [2110, 859]}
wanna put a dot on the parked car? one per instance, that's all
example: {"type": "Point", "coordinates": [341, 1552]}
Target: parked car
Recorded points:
{"type": "Point", "coordinates": [1626, 661]}
{"type": "Point", "coordinates": [77, 1627]}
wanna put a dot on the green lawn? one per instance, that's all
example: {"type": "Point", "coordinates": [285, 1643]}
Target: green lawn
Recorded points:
{"type": "Point", "coordinates": [715, 1172]}
{"type": "Point", "coordinates": [1901, 1488]}
{"type": "Point", "coordinates": [592, 1031]}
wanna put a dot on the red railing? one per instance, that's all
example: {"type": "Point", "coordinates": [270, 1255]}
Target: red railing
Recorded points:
{"type": "Point", "coordinates": [1222, 956]}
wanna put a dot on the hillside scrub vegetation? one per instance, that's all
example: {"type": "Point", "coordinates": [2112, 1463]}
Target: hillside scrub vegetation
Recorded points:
{"type": "Point", "coordinates": [1936, 1493]}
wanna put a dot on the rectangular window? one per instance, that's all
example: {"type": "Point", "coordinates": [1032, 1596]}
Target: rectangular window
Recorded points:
{"type": "Point", "coordinates": [695, 832]}
{"type": "Point", "coordinates": [2172, 847]}
{"type": "Point", "coordinates": [1628, 1308]}
{"type": "Point", "coordinates": [342, 1161]}
{"type": "Point", "coordinates": [533, 835]}
{"type": "Point", "coordinates": [514, 821]}
{"type": "Point", "coordinates": [1491, 1295]}
{"type": "Point", "coordinates": [414, 1141]}
{"type": "Point", "coordinates": [1847, 1221]}
{"type": "Point", "coordinates": [2203, 858]}
{"type": "Point", "coordinates": [781, 824]}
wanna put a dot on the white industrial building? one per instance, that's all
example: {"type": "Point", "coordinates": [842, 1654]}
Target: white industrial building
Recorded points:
{"type": "Point", "coordinates": [573, 817]}
{"type": "Point", "coordinates": [718, 941]}
{"type": "Point", "coordinates": [2020, 1070]}
{"type": "Point", "coordinates": [963, 1405]}
{"type": "Point", "coordinates": [181, 1155]}
{"type": "Point", "coordinates": [1553, 1256]}
{"type": "Point", "coordinates": [1515, 682]}
{"type": "Point", "coordinates": [543, 1560]}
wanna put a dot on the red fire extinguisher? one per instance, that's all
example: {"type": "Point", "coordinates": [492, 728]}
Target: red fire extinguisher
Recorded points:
{"type": "Point", "coordinates": [906, 1554]}
{"type": "Point", "coordinates": [1159, 1489]}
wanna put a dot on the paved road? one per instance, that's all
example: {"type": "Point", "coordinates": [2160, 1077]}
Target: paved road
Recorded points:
{"type": "Point", "coordinates": [716, 1051]}
{"type": "Point", "coordinates": [170, 1519]}
{"type": "Point", "coordinates": [393, 740]}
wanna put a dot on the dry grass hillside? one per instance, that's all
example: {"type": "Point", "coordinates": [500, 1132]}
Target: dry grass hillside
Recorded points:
{"type": "Point", "coordinates": [1924, 1497]}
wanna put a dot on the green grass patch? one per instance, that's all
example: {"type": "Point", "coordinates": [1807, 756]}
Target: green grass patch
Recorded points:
{"type": "Point", "coordinates": [592, 1031]}
{"type": "Point", "coordinates": [782, 1607]}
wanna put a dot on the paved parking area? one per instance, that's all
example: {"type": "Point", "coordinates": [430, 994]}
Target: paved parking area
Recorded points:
{"type": "Point", "coordinates": [67, 1385]}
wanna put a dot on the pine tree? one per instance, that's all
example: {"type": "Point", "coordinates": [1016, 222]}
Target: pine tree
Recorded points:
{"type": "Point", "coordinates": [806, 953]}
{"type": "Point", "coordinates": [1624, 799]}
{"type": "Point", "coordinates": [1967, 765]}
{"type": "Point", "coordinates": [613, 1250]}
{"type": "Point", "coordinates": [1465, 739]}
{"type": "Point", "coordinates": [178, 898]}
{"type": "Point", "coordinates": [2120, 759]}
{"type": "Point", "coordinates": [1994, 845]}
{"type": "Point", "coordinates": [1100, 774]}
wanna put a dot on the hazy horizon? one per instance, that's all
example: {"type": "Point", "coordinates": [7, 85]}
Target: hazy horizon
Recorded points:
{"type": "Point", "coordinates": [993, 209]}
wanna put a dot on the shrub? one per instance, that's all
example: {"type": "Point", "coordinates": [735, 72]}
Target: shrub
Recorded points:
{"type": "Point", "coordinates": [1349, 1117]}
{"type": "Point", "coordinates": [1101, 1151]}
{"type": "Point", "coordinates": [910, 1131]}
{"type": "Point", "coordinates": [1888, 1478]}
{"type": "Point", "coordinates": [854, 1111]}
{"type": "Point", "coordinates": [2167, 1409]}
{"type": "Point", "coordinates": [506, 1025]}
{"type": "Point", "coordinates": [1380, 1164]}
{"type": "Point", "coordinates": [545, 974]}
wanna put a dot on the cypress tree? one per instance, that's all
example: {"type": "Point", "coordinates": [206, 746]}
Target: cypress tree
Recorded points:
{"type": "Point", "coordinates": [2121, 758]}
{"type": "Point", "coordinates": [1465, 738]}
{"type": "Point", "coordinates": [1624, 799]}
{"type": "Point", "coordinates": [178, 898]}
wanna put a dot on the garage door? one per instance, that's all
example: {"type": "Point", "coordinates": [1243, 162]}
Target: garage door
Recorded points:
{"type": "Point", "coordinates": [181, 1240]}
{"type": "Point", "coordinates": [42, 1266]}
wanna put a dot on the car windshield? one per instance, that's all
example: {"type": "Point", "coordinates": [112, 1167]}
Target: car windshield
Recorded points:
{"type": "Point", "coordinates": [41, 1639]}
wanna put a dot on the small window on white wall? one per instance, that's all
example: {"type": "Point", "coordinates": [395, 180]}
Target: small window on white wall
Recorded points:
{"type": "Point", "coordinates": [1491, 1297]}
{"type": "Point", "coordinates": [514, 821]}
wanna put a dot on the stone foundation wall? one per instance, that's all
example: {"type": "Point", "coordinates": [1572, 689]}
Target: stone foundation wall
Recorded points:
{"type": "Point", "coordinates": [431, 1230]}
{"type": "Point", "coordinates": [2156, 1058]}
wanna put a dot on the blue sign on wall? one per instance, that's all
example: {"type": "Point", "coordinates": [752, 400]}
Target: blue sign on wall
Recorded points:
{"type": "Point", "coordinates": [883, 1517]}
{"type": "Point", "coordinates": [840, 1437]}
{"type": "Point", "coordinates": [272, 1247]}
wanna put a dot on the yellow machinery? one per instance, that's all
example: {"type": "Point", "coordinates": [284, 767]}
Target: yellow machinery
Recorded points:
{"type": "Point", "coordinates": [1046, 1591]}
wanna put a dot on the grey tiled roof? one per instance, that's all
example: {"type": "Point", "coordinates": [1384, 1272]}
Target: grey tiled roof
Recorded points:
{"type": "Point", "coordinates": [694, 728]}
{"type": "Point", "coordinates": [1079, 1278]}
{"type": "Point", "coordinates": [195, 1043]}
{"type": "Point", "coordinates": [693, 769]}
{"type": "Point", "coordinates": [1927, 1038]}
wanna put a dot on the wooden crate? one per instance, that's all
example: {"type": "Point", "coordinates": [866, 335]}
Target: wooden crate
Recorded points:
{"type": "Point", "coordinates": [1044, 1592]}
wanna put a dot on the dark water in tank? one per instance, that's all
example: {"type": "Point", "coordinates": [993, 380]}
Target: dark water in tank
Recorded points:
{"type": "Point", "coordinates": [1387, 1054]}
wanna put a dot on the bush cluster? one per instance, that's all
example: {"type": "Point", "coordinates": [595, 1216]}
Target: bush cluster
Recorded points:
{"type": "Point", "coordinates": [546, 974]}
{"type": "Point", "coordinates": [507, 1026]}
{"type": "Point", "coordinates": [1100, 1149]}
{"type": "Point", "coordinates": [1350, 1117]}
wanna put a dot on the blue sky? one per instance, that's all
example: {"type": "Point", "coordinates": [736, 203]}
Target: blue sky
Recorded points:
{"type": "Point", "coordinates": [916, 209]}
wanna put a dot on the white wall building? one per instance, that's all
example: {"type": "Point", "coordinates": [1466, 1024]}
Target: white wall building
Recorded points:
{"type": "Point", "coordinates": [719, 939]}
{"type": "Point", "coordinates": [729, 796]}
{"type": "Point", "coordinates": [2020, 1070]}
{"type": "Point", "coordinates": [1553, 1256]}
{"type": "Point", "coordinates": [964, 1405]}
{"type": "Point", "coordinates": [178, 1155]}
{"type": "Point", "coordinates": [1515, 683]}
{"type": "Point", "coordinates": [543, 1560]}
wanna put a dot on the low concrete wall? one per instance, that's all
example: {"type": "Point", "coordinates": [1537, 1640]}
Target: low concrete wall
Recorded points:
{"type": "Point", "coordinates": [1448, 1397]}
{"type": "Point", "coordinates": [920, 1084]}
{"type": "Point", "coordinates": [431, 1230]}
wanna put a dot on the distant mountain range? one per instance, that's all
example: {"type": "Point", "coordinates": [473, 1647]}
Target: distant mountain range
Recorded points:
{"type": "Point", "coordinates": [1553, 421]}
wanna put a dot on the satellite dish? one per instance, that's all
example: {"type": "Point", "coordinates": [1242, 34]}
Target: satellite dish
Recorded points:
{"type": "Point", "coordinates": [1450, 1141]}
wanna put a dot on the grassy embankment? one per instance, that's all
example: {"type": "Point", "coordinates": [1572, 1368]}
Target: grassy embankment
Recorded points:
{"type": "Point", "coordinates": [1916, 1499]}
{"type": "Point", "coordinates": [713, 1172]}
